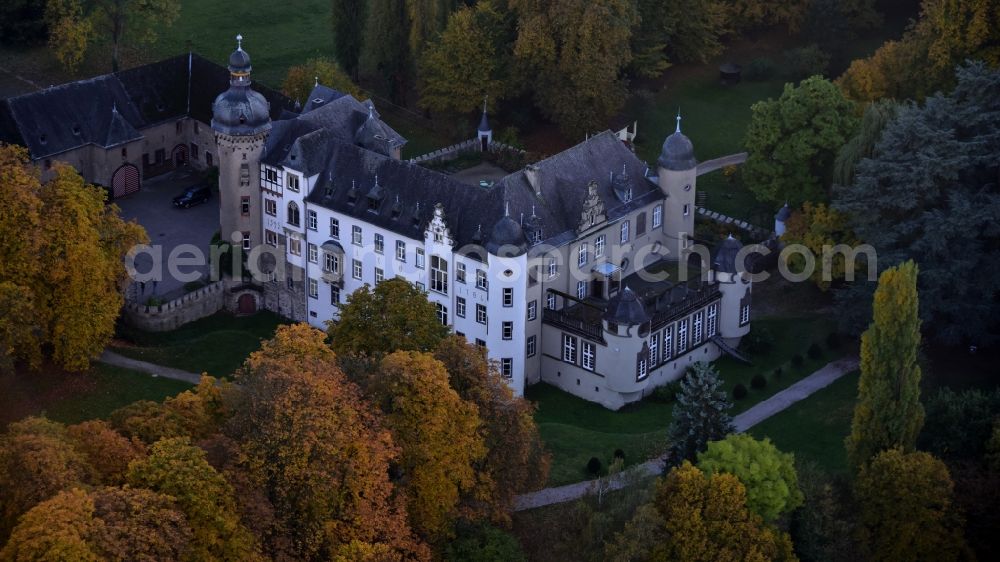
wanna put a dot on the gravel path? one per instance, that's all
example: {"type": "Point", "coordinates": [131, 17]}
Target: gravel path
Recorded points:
{"type": "Point", "coordinates": [112, 358]}
{"type": "Point", "coordinates": [744, 421]}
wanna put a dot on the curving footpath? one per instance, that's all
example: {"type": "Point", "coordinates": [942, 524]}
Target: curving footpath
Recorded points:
{"type": "Point", "coordinates": [818, 380]}
{"type": "Point", "coordinates": [112, 358]}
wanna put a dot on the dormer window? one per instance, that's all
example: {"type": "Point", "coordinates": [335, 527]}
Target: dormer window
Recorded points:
{"type": "Point", "coordinates": [373, 204]}
{"type": "Point", "coordinates": [317, 100]}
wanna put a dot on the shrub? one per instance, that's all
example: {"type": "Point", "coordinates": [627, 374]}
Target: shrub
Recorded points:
{"type": "Point", "coordinates": [833, 341]}
{"type": "Point", "coordinates": [777, 373]}
{"type": "Point", "coordinates": [666, 393]}
{"type": "Point", "coordinates": [797, 360]}
{"type": "Point", "coordinates": [594, 466]}
{"type": "Point", "coordinates": [804, 62]}
{"type": "Point", "coordinates": [758, 381]}
{"type": "Point", "coordinates": [815, 351]}
{"type": "Point", "coordinates": [620, 454]}
{"type": "Point", "coordinates": [759, 69]}
{"type": "Point", "coordinates": [739, 391]}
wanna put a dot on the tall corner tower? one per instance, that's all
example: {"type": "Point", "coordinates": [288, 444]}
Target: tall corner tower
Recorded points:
{"type": "Point", "coordinates": [677, 171]}
{"type": "Point", "coordinates": [241, 120]}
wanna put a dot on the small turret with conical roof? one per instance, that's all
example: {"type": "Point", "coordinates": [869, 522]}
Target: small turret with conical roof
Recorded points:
{"type": "Point", "coordinates": [484, 132]}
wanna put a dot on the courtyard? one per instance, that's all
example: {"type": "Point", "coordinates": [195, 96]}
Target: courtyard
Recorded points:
{"type": "Point", "coordinates": [168, 228]}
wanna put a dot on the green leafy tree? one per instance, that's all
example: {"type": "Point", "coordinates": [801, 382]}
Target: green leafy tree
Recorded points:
{"type": "Point", "coordinates": [706, 519]}
{"type": "Point", "coordinates": [862, 145]}
{"type": "Point", "coordinates": [575, 51]}
{"type": "Point", "coordinates": [906, 509]}
{"type": "Point", "coordinates": [348, 18]}
{"type": "Point", "coordinates": [768, 474]}
{"type": "Point", "coordinates": [484, 543]}
{"type": "Point", "coordinates": [959, 424]}
{"type": "Point", "coordinates": [888, 413]}
{"type": "Point", "coordinates": [301, 79]}
{"type": "Point", "coordinates": [395, 316]}
{"type": "Point", "coordinates": [745, 15]}
{"type": "Point", "coordinates": [793, 141]}
{"type": "Point", "coordinates": [666, 34]}
{"type": "Point", "coordinates": [700, 415]}
{"type": "Point", "coordinates": [427, 19]}
{"type": "Point", "coordinates": [820, 227]}
{"type": "Point", "coordinates": [178, 469]}
{"type": "Point", "coordinates": [468, 62]}
{"type": "Point", "coordinates": [933, 176]}
{"type": "Point", "coordinates": [824, 527]}
{"type": "Point", "coordinates": [385, 53]}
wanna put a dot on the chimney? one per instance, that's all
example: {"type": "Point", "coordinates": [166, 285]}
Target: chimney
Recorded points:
{"type": "Point", "coordinates": [531, 172]}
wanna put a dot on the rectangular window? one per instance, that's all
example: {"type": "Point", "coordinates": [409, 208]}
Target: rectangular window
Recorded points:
{"type": "Point", "coordinates": [507, 367]}
{"type": "Point", "coordinates": [334, 228]}
{"type": "Point", "coordinates": [356, 237]}
{"type": "Point", "coordinates": [682, 336]}
{"type": "Point", "coordinates": [507, 330]}
{"type": "Point", "coordinates": [293, 182]}
{"type": "Point", "coordinates": [442, 313]}
{"type": "Point", "coordinates": [379, 276]}
{"type": "Point", "coordinates": [532, 346]}
{"type": "Point", "coordinates": [244, 206]}
{"type": "Point", "coordinates": [745, 314]}
{"type": "Point", "coordinates": [599, 246]}
{"type": "Point", "coordinates": [480, 343]}
{"type": "Point", "coordinates": [569, 349]}
{"type": "Point", "coordinates": [460, 307]}
{"type": "Point", "coordinates": [356, 269]}
{"type": "Point", "coordinates": [640, 224]}
{"type": "Point", "coordinates": [270, 175]}
{"type": "Point", "coordinates": [270, 237]}
{"type": "Point", "coordinates": [642, 371]}
{"type": "Point", "coordinates": [581, 289]}
{"type": "Point", "coordinates": [194, 151]}
{"type": "Point", "coordinates": [624, 232]}
{"type": "Point", "coordinates": [550, 301]}
{"type": "Point", "coordinates": [246, 240]}
{"type": "Point", "coordinates": [532, 310]}
{"type": "Point", "coordinates": [290, 283]}
{"type": "Point", "coordinates": [553, 268]}
{"type": "Point", "coordinates": [313, 253]}
{"type": "Point", "coordinates": [657, 216]}
{"type": "Point", "coordinates": [313, 289]}
{"type": "Point", "coordinates": [581, 255]}
{"type": "Point", "coordinates": [654, 348]}
{"type": "Point", "coordinates": [508, 296]}
{"type": "Point", "coordinates": [668, 342]}
{"type": "Point", "coordinates": [271, 207]}
{"type": "Point", "coordinates": [481, 313]}
{"type": "Point", "coordinates": [295, 246]}
{"type": "Point", "coordinates": [713, 320]}
{"type": "Point", "coordinates": [334, 295]}
{"type": "Point", "coordinates": [439, 275]}
{"type": "Point", "coordinates": [460, 272]}
{"type": "Point", "coordinates": [696, 332]}
{"type": "Point", "coordinates": [481, 280]}
{"type": "Point", "coordinates": [589, 354]}
{"type": "Point", "coordinates": [419, 261]}
{"type": "Point", "coordinates": [331, 262]}
{"type": "Point", "coordinates": [687, 210]}
{"type": "Point", "coordinates": [311, 221]}
{"type": "Point", "coordinates": [400, 250]}
{"type": "Point", "coordinates": [420, 286]}
{"type": "Point", "coordinates": [379, 243]}
{"type": "Point", "coordinates": [244, 174]}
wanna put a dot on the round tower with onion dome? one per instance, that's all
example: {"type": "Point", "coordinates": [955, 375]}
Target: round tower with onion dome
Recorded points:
{"type": "Point", "coordinates": [677, 170]}
{"type": "Point", "coordinates": [241, 120]}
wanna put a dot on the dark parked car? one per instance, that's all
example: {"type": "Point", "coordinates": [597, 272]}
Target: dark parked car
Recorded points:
{"type": "Point", "coordinates": [192, 196]}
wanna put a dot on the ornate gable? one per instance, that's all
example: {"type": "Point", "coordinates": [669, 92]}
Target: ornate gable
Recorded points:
{"type": "Point", "coordinates": [438, 229]}
{"type": "Point", "coordinates": [593, 209]}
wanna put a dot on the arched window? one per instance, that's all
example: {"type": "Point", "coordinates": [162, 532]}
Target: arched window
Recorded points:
{"type": "Point", "coordinates": [293, 214]}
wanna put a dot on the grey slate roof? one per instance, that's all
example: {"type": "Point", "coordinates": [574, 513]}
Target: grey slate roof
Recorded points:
{"type": "Point", "coordinates": [484, 124]}
{"type": "Point", "coordinates": [408, 192]}
{"type": "Point", "coordinates": [172, 88]}
{"type": "Point", "coordinates": [625, 308]}
{"type": "Point", "coordinates": [320, 96]}
{"type": "Point", "coordinates": [783, 213]}
{"type": "Point", "coordinates": [677, 153]}
{"type": "Point", "coordinates": [725, 256]}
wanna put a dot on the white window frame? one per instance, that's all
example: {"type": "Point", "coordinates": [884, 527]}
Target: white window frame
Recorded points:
{"type": "Point", "coordinates": [357, 236]}
{"type": "Point", "coordinates": [271, 238]}
{"type": "Point", "coordinates": [508, 297]}
{"type": "Point", "coordinates": [550, 301]}
{"type": "Point", "coordinates": [682, 336]}
{"type": "Point", "coordinates": [481, 316]}
{"type": "Point", "coordinates": [356, 269]}
{"type": "Point", "coordinates": [271, 207]}
{"type": "Point", "coordinates": [313, 288]}
{"type": "Point", "coordinates": [687, 209]}
{"type": "Point", "coordinates": [379, 243]}
{"type": "Point", "coordinates": [294, 246]}
{"type": "Point", "coordinates": [401, 251]}
{"type": "Point", "coordinates": [654, 348]}
{"type": "Point", "coordinates": [313, 253]}
{"type": "Point", "coordinates": [668, 343]}
{"type": "Point", "coordinates": [553, 268]}
{"type": "Point", "coordinates": [507, 367]}
{"type": "Point", "coordinates": [588, 359]}
{"type": "Point", "coordinates": [599, 244]}
{"type": "Point", "coordinates": [334, 228]}
{"type": "Point", "coordinates": [439, 274]}
{"type": "Point", "coordinates": [460, 272]}
{"type": "Point", "coordinates": [657, 216]}
{"type": "Point", "coordinates": [293, 182]}
{"type": "Point", "coordinates": [460, 307]}
{"type": "Point", "coordinates": [745, 314]}
{"type": "Point", "coordinates": [532, 310]}
{"type": "Point", "coordinates": [379, 275]}
{"type": "Point", "coordinates": [507, 330]}
{"type": "Point", "coordinates": [697, 329]}
{"type": "Point", "coordinates": [312, 220]}
{"type": "Point", "coordinates": [334, 295]}
{"type": "Point", "coordinates": [481, 281]}
{"type": "Point", "coordinates": [581, 290]}
{"type": "Point", "coordinates": [624, 232]}
{"type": "Point", "coordinates": [442, 313]}
{"type": "Point", "coordinates": [331, 262]}
{"type": "Point", "coordinates": [420, 259]}
{"type": "Point", "coordinates": [531, 346]}
{"type": "Point", "coordinates": [581, 255]}
{"type": "Point", "coordinates": [713, 320]}
{"type": "Point", "coordinates": [643, 370]}
{"type": "Point", "coordinates": [569, 349]}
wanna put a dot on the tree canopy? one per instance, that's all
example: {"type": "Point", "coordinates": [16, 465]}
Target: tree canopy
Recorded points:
{"type": "Point", "coordinates": [793, 141]}
{"type": "Point", "coordinates": [300, 79]}
{"type": "Point", "coordinates": [767, 473]}
{"type": "Point", "coordinates": [700, 415]}
{"type": "Point", "coordinates": [934, 177]}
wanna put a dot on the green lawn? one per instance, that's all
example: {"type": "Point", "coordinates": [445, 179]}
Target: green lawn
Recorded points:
{"type": "Point", "coordinates": [216, 345]}
{"type": "Point", "coordinates": [815, 428]}
{"type": "Point", "coordinates": [75, 397]}
{"type": "Point", "coordinates": [574, 430]}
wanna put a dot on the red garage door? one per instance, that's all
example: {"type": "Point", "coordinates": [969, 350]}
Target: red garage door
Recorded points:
{"type": "Point", "coordinates": [125, 180]}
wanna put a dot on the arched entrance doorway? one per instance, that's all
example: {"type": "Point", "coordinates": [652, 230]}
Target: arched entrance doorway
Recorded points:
{"type": "Point", "coordinates": [125, 180]}
{"type": "Point", "coordinates": [180, 155]}
{"type": "Point", "coordinates": [246, 304]}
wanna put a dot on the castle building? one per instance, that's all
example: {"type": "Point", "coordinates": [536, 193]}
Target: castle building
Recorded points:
{"type": "Point", "coordinates": [552, 268]}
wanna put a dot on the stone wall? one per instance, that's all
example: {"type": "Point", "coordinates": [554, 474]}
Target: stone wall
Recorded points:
{"type": "Point", "coordinates": [171, 315]}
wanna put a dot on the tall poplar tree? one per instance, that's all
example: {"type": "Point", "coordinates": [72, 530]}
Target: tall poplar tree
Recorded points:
{"type": "Point", "coordinates": [888, 413]}
{"type": "Point", "coordinates": [385, 54]}
{"type": "Point", "coordinates": [348, 18]}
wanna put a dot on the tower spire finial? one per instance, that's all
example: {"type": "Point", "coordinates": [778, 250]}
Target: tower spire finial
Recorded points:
{"type": "Point", "coordinates": [485, 97]}
{"type": "Point", "coordinates": [678, 120]}
{"type": "Point", "coordinates": [506, 208]}
{"type": "Point", "coordinates": [316, 83]}
{"type": "Point", "coordinates": [239, 42]}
